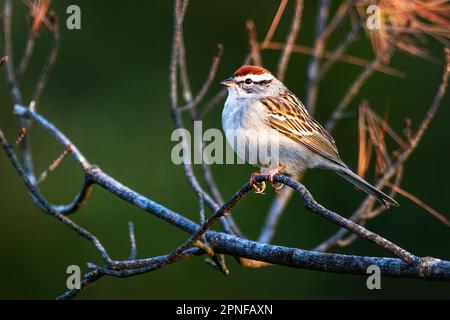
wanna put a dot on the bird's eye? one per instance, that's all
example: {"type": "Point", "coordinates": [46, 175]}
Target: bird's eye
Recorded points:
{"type": "Point", "coordinates": [248, 81]}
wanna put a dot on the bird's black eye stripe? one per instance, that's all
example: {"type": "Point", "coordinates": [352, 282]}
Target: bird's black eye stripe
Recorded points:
{"type": "Point", "coordinates": [264, 82]}
{"type": "Point", "coordinates": [249, 81]}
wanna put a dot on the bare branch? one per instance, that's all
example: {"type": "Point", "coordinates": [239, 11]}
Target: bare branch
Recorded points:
{"type": "Point", "coordinates": [337, 19]}
{"type": "Point", "coordinates": [132, 237]}
{"type": "Point", "coordinates": [338, 54]}
{"type": "Point", "coordinates": [419, 202]}
{"type": "Point", "coordinates": [55, 164]}
{"type": "Point", "coordinates": [275, 22]}
{"type": "Point", "coordinates": [151, 264]}
{"type": "Point", "coordinates": [295, 27]}
{"type": "Point", "coordinates": [357, 61]}
{"type": "Point", "coordinates": [319, 47]}
{"type": "Point", "coordinates": [436, 102]}
{"type": "Point", "coordinates": [49, 63]}
{"type": "Point", "coordinates": [213, 102]}
{"type": "Point", "coordinates": [354, 88]}
{"type": "Point", "coordinates": [211, 76]}
{"type": "Point", "coordinates": [88, 279]}
{"type": "Point", "coordinates": [14, 89]}
{"type": "Point", "coordinates": [255, 53]}
{"type": "Point", "coordinates": [38, 12]}
{"type": "Point", "coordinates": [20, 137]}
{"type": "Point", "coordinates": [187, 93]}
{"type": "Point", "coordinates": [11, 77]}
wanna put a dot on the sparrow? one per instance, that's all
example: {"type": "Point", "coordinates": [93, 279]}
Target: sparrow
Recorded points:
{"type": "Point", "coordinates": [259, 108]}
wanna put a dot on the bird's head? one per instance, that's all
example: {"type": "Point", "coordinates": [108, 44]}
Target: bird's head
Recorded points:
{"type": "Point", "coordinates": [253, 82]}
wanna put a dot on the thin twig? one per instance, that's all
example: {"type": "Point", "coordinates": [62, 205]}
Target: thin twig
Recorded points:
{"type": "Point", "coordinates": [132, 237]}
{"type": "Point", "coordinates": [55, 164]}
{"type": "Point", "coordinates": [182, 65]}
{"type": "Point", "coordinates": [209, 80]}
{"type": "Point", "coordinates": [8, 47]}
{"type": "Point", "coordinates": [38, 12]}
{"type": "Point", "coordinates": [88, 279]}
{"type": "Point", "coordinates": [372, 213]}
{"type": "Point", "coordinates": [292, 36]}
{"type": "Point", "coordinates": [314, 63]}
{"type": "Point", "coordinates": [419, 202]}
{"type": "Point", "coordinates": [382, 68]}
{"type": "Point", "coordinates": [253, 43]}
{"type": "Point", "coordinates": [49, 63]}
{"type": "Point", "coordinates": [14, 88]}
{"type": "Point", "coordinates": [354, 88]}
{"type": "Point", "coordinates": [337, 19]}
{"type": "Point", "coordinates": [436, 102]}
{"type": "Point", "coordinates": [219, 96]}
{"type": "Point", "coordinates": [22, 133]}
{"type": "Point", "coordinates": [274, 24]}
{"type": "Point", "coordinates": [338, 53]}
{"type": "Point", "coordinates": [78, 202]}
{"type": "Point", "coordinates": [201, 204]}
{"type": "Point", "coordinates": [155, 264]}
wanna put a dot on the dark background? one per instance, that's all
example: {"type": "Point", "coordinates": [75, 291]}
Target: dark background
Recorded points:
{"type": "Point", "coordinates": [109, 94]}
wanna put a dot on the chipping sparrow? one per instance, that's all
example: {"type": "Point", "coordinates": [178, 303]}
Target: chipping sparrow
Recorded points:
{"type": "Point", "coordinates": [260, 105]}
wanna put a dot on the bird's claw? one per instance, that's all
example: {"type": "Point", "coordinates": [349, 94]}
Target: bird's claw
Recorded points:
{"type": "Point", "coordinates": [272, 174]}
{"type": "Point", "coordinates": [277, 186]}
{"type": "Point", "coordinates": [259, 187]}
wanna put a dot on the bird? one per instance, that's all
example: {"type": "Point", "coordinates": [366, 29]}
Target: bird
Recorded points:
{"type": "Point", "coordinates": [259, 108]}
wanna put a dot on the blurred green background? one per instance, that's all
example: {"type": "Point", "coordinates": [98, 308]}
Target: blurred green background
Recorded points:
{"type": "Point", "coordinates": [109, 94]}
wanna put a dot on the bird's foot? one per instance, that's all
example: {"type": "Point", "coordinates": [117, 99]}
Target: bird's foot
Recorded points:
{"type": "Point", "coordinates": [259, 187]}
{"type": "Point", "coordinates": [276, 186]}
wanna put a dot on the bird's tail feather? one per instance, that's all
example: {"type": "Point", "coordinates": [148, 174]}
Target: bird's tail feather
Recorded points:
{"type": "Point", "coordinates": [367, 187]}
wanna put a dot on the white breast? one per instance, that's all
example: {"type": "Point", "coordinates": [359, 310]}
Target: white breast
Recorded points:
{"type": "Point", "coordinates": [244, 123]}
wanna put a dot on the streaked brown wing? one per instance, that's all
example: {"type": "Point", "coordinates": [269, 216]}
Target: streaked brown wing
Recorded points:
{"type": "Point", "coordinates": [289, 116]}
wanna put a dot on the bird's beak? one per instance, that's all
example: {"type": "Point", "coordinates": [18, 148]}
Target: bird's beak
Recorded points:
{"type": "Point", "coordinates": [228, 82]}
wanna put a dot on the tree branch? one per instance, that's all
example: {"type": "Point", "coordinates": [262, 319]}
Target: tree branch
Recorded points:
{"type": "Point", "coordinates": [292, 36]}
